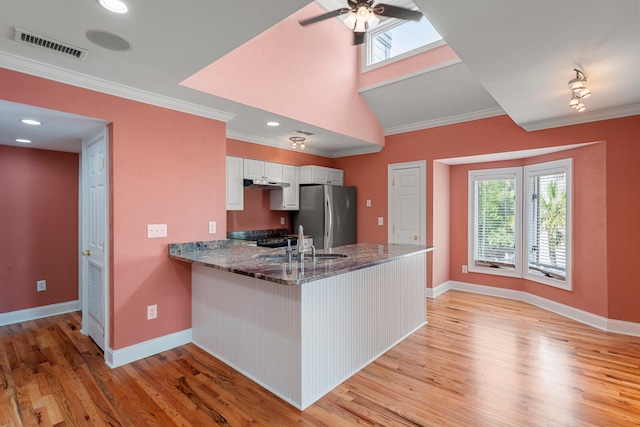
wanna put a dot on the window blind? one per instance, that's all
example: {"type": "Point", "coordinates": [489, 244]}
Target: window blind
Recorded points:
{"type": "Point", "coordinates": [494, 228]}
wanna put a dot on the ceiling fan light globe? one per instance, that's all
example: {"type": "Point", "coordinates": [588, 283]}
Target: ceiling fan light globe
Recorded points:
{"type": "Point", "coordinates": [350, 20]}
{"type": "Point", "coordinates": [361, 27]}
{"type": "Point", "coordinates": [373, 20]}
{"type": "Point", "coordinates": [581, 107]}
{"type": "Point", "coordinates": [573, 102]}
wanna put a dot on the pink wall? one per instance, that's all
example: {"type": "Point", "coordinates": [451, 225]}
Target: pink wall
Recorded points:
{"type": "Point", "coordinates": [257, 214]}
{"type": "Point", "coordinates": [164, 166]}
{"type": "Point", "coordinates": [605, 235]}
{"type": "Point", "coordinates": [589, 228]}
{"type": "Point", "coordinates": [310, 74]}
{"type": "Point", "coordinates": [38, 227]}
{"type": "Point", "coordinates": [441, 187]}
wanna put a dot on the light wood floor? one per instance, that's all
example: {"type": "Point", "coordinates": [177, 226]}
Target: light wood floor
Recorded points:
{"type": "Point", "coordinates": [481, 361]}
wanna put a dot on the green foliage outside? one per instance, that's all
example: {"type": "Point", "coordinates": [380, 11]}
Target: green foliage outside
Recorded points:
{"type": "Point", "coordinates": [496, 218]}
{"type": "Point", "coordinates": [553, 214]}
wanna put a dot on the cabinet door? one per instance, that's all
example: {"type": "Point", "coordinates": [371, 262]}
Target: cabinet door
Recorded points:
{"type": "Point", "coordinates": [273, 171]}
{"type": "Point", "coordinates": [336, 176]}
{"type": "Point", "coordinates": [253, 169]}
{"type": "Point", "coordinates": [287, 199]}
{"type": "Point", "coordinates": [235, 187]}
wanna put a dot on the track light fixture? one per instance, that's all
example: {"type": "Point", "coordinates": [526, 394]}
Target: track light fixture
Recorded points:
{"type": "Point", "coordinates": [295, 140]}
{"type": "Point", "coordinates": [579, 91]}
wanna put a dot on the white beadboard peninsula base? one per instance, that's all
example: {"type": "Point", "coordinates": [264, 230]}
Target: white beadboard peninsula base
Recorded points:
{"type": "Point", "coordinates": [300, 342]}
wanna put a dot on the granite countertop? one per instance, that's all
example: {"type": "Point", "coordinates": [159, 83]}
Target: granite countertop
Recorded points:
{"type": "Point", "coordinates": [223, 255]}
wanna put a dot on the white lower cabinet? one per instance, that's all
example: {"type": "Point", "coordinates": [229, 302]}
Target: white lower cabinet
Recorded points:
{"type": "Point", "coordinates": [321, 175]}
{"type": "Point", "coordinates": [235, 184]}
{"type": "Point", "coordinates": [287, 199]}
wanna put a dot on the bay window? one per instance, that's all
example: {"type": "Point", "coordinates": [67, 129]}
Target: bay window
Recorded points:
{"type": "Point", "coordinates": [520, 222]}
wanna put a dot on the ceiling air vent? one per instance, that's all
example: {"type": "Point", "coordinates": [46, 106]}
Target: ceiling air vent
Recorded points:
{"type": "Point", "coordinates": [302, 132]}
{"type": "Point", "coordinates": [25, 37]}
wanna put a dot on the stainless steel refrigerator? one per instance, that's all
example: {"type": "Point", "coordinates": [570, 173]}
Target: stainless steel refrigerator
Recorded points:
{"type": "Point", "coordinates": [328, 213]}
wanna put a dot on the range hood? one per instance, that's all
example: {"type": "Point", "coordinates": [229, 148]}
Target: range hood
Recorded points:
{"type": "Point", "coordinates": [263, 184]}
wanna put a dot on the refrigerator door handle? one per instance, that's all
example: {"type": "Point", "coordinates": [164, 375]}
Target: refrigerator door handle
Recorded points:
{"type": "Point", "coordinates": [328, 227]}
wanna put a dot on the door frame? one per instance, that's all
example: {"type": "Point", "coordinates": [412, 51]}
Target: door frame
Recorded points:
{"type": "Point", "coordinates": [83, 236]}
{"type": "Point", "coordinates": [391, 168]}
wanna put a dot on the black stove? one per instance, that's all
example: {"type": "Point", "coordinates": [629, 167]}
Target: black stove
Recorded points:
{"type": "Point", "coordinates": [276, 242]}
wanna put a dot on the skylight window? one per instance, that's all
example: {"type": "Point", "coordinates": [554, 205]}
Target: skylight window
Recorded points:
{"type": "Point", "coordinates": [397, 39]}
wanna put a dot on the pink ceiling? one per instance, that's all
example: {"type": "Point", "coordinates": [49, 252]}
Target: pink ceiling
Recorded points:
{"type": "Point", "coordinates": [309, 74]}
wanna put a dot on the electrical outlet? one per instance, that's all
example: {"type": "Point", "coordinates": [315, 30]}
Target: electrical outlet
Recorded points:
{"type": "Point", "coordinates": [156, 230]}
{"type": "Point", "coordinates": [152, 311]}
{"type": "Point", "coordinates": [464, 269]}
{"type": "Point", "coordinates": [380, 220]}
{"type": "Point", "coordinates": [281, 220]}
{"type": "Point", "coordinates": [212, 227]}
{"type": "Point", "coordinates": [368, 203]}
{"type": "Point", "coordinates": [41, 285]}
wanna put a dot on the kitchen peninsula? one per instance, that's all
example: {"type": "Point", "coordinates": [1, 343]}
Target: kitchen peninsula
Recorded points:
{"type": "Point", "coordinates": [300, 329]}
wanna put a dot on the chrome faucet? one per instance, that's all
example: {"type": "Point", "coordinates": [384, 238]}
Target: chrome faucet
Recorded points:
{"type": "Point", "coordinates": [301, 248]}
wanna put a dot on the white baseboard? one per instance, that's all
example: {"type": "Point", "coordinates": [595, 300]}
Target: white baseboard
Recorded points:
{"type": "Point", "coordinates": [38, 312]}
{"type": "Point", "coordinates": [602, 323]}
{"type": "Point", "coordinates": [115, 358]}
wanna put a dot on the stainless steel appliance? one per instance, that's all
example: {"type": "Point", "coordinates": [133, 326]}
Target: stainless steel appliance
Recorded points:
{"type": "Point", "coordinates": [328, 213]}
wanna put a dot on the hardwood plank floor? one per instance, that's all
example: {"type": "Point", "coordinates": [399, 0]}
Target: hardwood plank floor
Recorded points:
{"type": "Point", "coordinates": [481, 361]}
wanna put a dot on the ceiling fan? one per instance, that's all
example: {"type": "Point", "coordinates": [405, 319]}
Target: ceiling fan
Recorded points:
{"type": "Point", "coordinates": [363, 14]}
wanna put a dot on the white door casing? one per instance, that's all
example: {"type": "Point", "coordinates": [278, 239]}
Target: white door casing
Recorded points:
{"type": "Point", "coordinates": [407, 203]}
{"type": "Point", "coordinates": [94, 239]}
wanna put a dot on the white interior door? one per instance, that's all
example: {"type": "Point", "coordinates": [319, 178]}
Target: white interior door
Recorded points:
{"type": "Point", "coordinates": [95, 203]}
{"type": "Point", "coordinates": [407, 203]}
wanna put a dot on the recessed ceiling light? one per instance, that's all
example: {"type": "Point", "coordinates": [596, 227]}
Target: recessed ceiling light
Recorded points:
{"type": "Point", "coordinates": [31, 122]}
{"type": "Point", "coordinates": [115, 6]}
{"type": "Point", "coordinates": [24, 141]}
{"type": "Point", "coordinates": [273, 124]}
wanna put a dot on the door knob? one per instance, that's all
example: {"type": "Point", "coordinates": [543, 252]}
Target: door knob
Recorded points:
{"type": "Point", "coordinates": [86, 253]}
{"type": "Point", "coordinates": [416, 237]}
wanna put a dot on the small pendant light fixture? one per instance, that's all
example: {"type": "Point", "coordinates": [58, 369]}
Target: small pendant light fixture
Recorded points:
{"type": "Point", "coordinates": [579, 91]}
{"type": "Point", "coordinates": [295, 140]}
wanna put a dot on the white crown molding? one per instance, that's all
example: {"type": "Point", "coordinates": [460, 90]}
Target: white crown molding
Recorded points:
{"type": "Point", "coordinates": [580, 118]}
{"type": "Point", "coordinates": [38, 312]}
{"type": "Point", "coordinates": [599, 322]}
{"type": "Point", "coordinates": [460, 118]}
{"type": "Point", "coordinates": [115, 358]}
{"type": "Point", "coordinates": [58, 74]}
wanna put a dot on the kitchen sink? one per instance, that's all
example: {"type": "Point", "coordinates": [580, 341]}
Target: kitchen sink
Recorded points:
{"type": "Point", "coordinates": [307, 257]}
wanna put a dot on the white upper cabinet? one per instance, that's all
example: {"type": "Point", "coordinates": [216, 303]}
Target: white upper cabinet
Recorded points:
{"type": "Point", "coordinates": [287, 199]}
{"type": "Point", "coordinates": [321, 175]}
{"type": "Point", "coordinates": [235, 184]}
{"type": "Point", "coordinates": [257, 169]}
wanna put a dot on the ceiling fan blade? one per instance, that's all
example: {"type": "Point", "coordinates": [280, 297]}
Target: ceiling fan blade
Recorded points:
{"type": "Point", "coordinates": [324, 16]}
{"type": "Point", "coordinates": [397, 12]}
{"type": "Point", "coordinates": [358, 38]}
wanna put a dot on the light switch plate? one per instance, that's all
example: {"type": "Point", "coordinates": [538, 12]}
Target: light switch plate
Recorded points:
{"type": "Point", "coordinates": [380, 220]}
{"type": "Point", "coordinates": [41, 285]}
{"type": "Point", "coordinates": [368, 203]}
{"type": "Point", "coordinates": [212, 227]}
{"type": "Point", "coordinates": [156, 230]}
